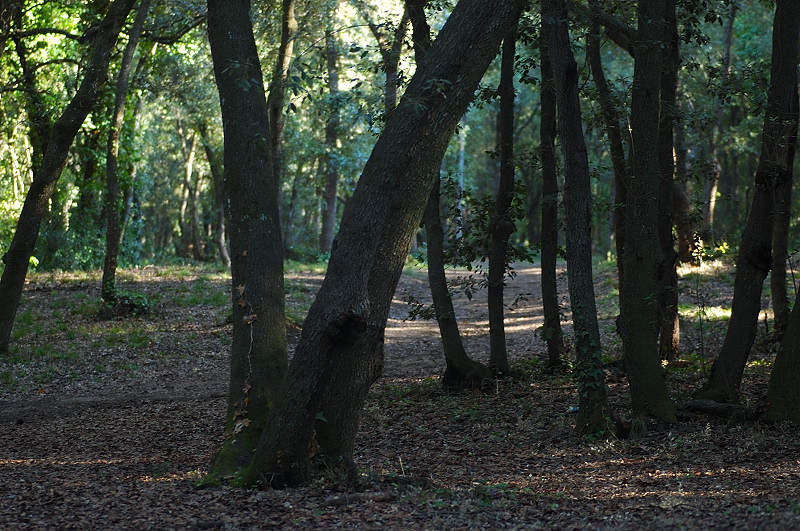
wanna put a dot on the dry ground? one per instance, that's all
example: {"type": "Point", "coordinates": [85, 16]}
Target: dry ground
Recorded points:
{"type": "Point", "coordinates": [110, 424]}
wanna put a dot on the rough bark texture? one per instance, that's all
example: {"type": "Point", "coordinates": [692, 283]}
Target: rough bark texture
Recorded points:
{"type": "Point", "coordinates": [780, 254]}
{"type": "Point", "coordinates": [594, 414]}
{"type": "Point", "coordinates": [783, 394]}
{"type": "Point", "coordinates": [331, 137]}
{"type": "Point", "coordinates": [501, 225]}
{"type": "Point", "coordinates": [551, 330]}
{"type": "Point", "coordinates": [47, 174]}
{"type": "Point", "coordinates": [108, 287]}
{"type": "Point", "coordinates": [669, 334]}
{"type": "Point", "coordinates": [643, 256]}
{"type": "Point", "coordinates": [774, 170]}
{"type": "Point", "coordinates": [259, 350]}
{"type": "Point", "coordinates": [341, 347]}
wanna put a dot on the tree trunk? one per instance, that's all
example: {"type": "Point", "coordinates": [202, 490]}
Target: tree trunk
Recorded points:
{"type": "Point", "coordinates": [774, 171]}
{"type": "Point", "coordinates": [551, 330]}
{"type": "Point", "coordinates": [461, 370]}
{"type": "Point", "coordinates": [47, 174]}
{"type": "Point", "coordinates": [780, 253]}
{"type": "Point", "coordinates": [108, 286]}
{"type": "Point", "coordinates": [277, 92]}
{"type": "Point", "coordinates": [219, 194]}
{"type": "Point", "coordinates": [669, 333]}
{"type": "Point", "coordinates": [783, 394]}
{"type": "Point", "coordinates": [501, 225]}
{"type": "Point", "coordinates": [611, 123]}
{"type": "Point", "coordinates": [331, 149]}
{"type": "Point", "coordinates": [643, 256]}
{"type": "Point", "coordinates": [712, 180]}
{"type": "Point", "coordinates": [259, 350]}
{"type": "Point", "coordinates": [594, 412]}
{"type": "Point", "coordinates": [341, 347]}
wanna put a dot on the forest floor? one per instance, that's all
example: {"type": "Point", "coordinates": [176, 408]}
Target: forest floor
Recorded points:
{"type": "Point", "coordinates": [109, 424]}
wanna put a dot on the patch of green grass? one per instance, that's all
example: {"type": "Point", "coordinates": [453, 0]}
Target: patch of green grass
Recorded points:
{"type": "Point", "coordinates": [46, 375]}
{"type": "Point", "coordinates": [26, 323]}
{"type": "Point", "coordinates": [8, 379]}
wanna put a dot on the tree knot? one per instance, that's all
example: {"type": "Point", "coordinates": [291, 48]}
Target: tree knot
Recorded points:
{"type": "Point", "coordinates": [345, 330]}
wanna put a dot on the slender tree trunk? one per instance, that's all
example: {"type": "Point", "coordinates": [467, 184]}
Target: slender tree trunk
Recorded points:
{"type": "Point", "coordinates": [259, 351]}
{"type": "Point", "coordinates": [774, 171]}
{"type": "Point", "coordinates": [669, 333]}
{"type": "Point", "coordinates": [594, 412]}
{"type": "Point", "coordinates": [47, 173]}
{"type": "Point", "coordinates": [108, 289]}
{"type": "Point", "coordinates": [501, 225]}
{"type": "Point", "coordinates": [643, 256]}
{"type": "Point", "coordinates": [331, 149]}
{"type": "Point", "coordinates": [712, 181]}
{"type": "Point", "coordinates": [219, 194]}
{"type": "Point", "coordinates": [780, 253]}
{"type": "Point", "coordinates": [551, 331]}
{"type": "Point", "coordinates": [614, 133]}
{"type": "Point", "coordinates": [341, 347]}
{"type": "Point", "coordinates": [460, 370]}
{"type": "Point", "coordinates": [276, 102]}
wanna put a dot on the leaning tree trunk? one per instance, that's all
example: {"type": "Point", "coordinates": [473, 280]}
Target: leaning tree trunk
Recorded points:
{"type": "Point", "coordinates": [551, 330]}
{"type": "Point", "coordinates": [341, 347]}
{"type": "Point", "coordinates": [259, 350]}
{"type": "Point", "coordinates": [460, 370]}
{"type": "Point", "coordinates": [501, 225]}
{"type": "Point", "coordinates": [594, 412]}
{"type": "Point", "coordinates": [643, 256]}
{"type": "Point", "coordinates": [47, 174]}
{"type": "Point", "coordinates": [669, 333]}
{"type": "Point", "coordinates": [108, 286]}
{"type": "Point", "coordinates": [774, 170]}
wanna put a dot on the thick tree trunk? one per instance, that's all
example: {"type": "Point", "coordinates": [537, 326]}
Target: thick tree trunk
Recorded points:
{"type": "Point", "coordinates": [594, 412]}
{"type": "Point", "coordinates": [551, 330]}
{"type": "Point", "coordinates": [341, 347]}
{"type": "Point", "coordinates": [501, 226]}
{"type": "Point", "coordinates": [774, 170]}
{"type": "Point", "coordinates": [331, 137]}
{"type": "Point", "coordinates": [259, 350]}
{"type": "Point", "coordinates": [669, 333]}
{"type": "Point", "coordinates": [47, 174]}
{"type": "Point", "coordinates": [780, 253]}
{"type": "Point", "coordinates": [108, 286]}
{"type": "Point", "coordinates": [643, 256]}
{"type": "Point", "coordinates": [783, 394]}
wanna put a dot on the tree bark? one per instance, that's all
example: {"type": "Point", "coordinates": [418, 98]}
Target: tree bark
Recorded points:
{"type": "Point", "coordinates": [47, 173]}
{"type": "Point", "coordinates": [594, 412]}
{"type": "Point", "coordinates": [643, 255]}
{"type": "Point", "coordinates": [669, 333]}
{"type": "Point", "coordinates": [329, 199]}
{"type": "Point", "coordinates": [780, 254]}
{"type": "Point", "coordinates": [341, 347]}
{"type": "Point", "coordinates": [783, 393]}
{"type": "Point", "coordinates": [259, 351]}
{"type": "Point", "coordinates": [501, 225]}
{"type": "Point", "coordinates": [774, 171]}
{"type": "Point", "coordinates": [551, 330]}
{"type": "Point", "coordinates": [108, 286]}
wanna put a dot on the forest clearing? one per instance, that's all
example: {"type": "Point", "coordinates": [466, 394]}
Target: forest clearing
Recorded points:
{"type": "Point", "coordinates": [111, 424]}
